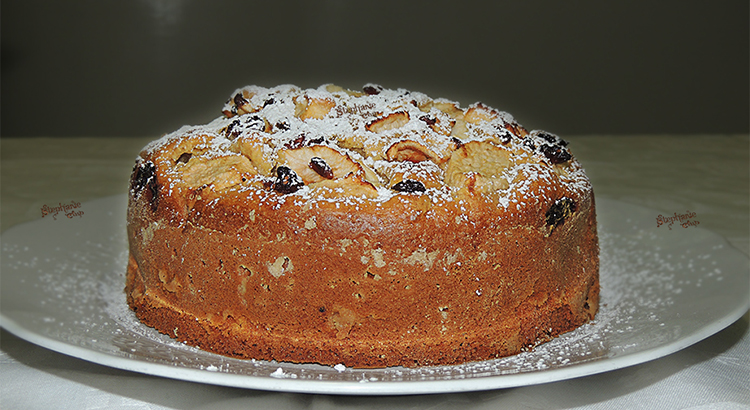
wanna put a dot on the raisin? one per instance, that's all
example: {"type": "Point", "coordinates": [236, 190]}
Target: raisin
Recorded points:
{"type": "Point", "coordinates": [268, 102]}
{"type": "Point", "coordinates": [409, 185]}
{"type": "Point", "coordinates": [555, 153]}
{"type": "Point", "coordinates": [321, 168]}
{"type": "Point", "coordinates": [429, 120]}
{"type": "Point", "coordinates": [144, 181]}
{"type": "Point", "coordinates": [553, 139]}
{"type": "Point", "coordinates": [252, 123]}
{"type": "Point", "coordinates": [282, 125]}
{"type": "Point", "coordinates": [232, 130]}
{"type": "Point", "coordinates": [255, 123]}
{"type": "Point", "coordinates": [287, 181]}
{"type": "Point", "coordinates": [239, 100]}
{"type": "Point", "coordinates": [528, 143]}
{"type": "Point", "coordinates": [371, 90]}
{"type": "Point", "coordinates": [548, 137]}
{"type": "Point", "coordinates": [316, 141]}
{"type": "Point", "coordinates": [560, 210]}
{"type": "Point", "coordinates": [184, 158]}
{"type": "Point", "coordinates": [296, 143]}
{"type": "Point", "coordinates": [504, 135]}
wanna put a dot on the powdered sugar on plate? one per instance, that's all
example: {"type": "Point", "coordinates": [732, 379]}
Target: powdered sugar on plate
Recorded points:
{"type": "Point", "coordinates": [661, 290]}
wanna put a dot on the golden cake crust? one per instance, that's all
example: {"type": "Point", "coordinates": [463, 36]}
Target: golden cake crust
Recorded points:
{"type": "Point", "coordinates": [372, 229]}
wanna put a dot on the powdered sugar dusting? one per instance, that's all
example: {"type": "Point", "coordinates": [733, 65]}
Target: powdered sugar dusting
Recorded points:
{"type": "Point", "coordinates": [67, 285]}
{"type": "Point", "coordinates": [367, 127]}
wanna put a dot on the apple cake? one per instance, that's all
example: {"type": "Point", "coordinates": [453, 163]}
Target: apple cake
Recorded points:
{"type": "Point", "coordinates": [367, 228]}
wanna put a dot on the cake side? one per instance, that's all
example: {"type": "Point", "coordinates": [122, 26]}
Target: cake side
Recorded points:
{"type": "Point", "coordinates": [374, 251]}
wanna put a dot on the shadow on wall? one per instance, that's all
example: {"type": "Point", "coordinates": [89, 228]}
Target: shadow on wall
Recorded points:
{"type": "Point", "coordinates": [140, 68]}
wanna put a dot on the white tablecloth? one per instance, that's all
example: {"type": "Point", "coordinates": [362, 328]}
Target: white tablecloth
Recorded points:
{"type": "Point", "coordinates": [708, 175]}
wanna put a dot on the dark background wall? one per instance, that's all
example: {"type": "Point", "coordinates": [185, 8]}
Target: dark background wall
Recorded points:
{"type": "Point", "coordinates": [145, 67]}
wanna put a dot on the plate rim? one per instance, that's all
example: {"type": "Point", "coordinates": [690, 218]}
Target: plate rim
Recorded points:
{"type": "Point", "coordinates": [406, 387]}
{"type": "Point", "coordinates": [337, 387]}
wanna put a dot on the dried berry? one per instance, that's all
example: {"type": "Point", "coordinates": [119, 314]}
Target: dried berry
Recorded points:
{"type": "Point", "coordinates": [143, 182]}
{"type": "Point", "coordinates": [287, 181]}
{"type": "Point", "coordinates": [315, 141]}
{"type": "Point", "coordinates": [503, 133]}
{"type": "Point", "coordinates": [252, 123]}
{"type": "Point", "coordinates": [553, 139]}
{"type": "Point", "coordinates": [239, 100]}
{"type": "Point", "coordinates": [555, 153]}
{"type": "Point", "coordinates": [298, 142]}
{"type": "Point", "coordinates": [232, 130]}
{"type": "Point", "coordinates": [371, 90]}
{"type": "Point", "coordinates": [561, 210]}
{"type": "Point", "coordinates": [528, 143]}
{"type": "Point", "coordinates": [429, 120]}
{"type": "Point", "coordinates": [321, 168]}
{"type": "Point", "coordinates": [409, 185]}
{"type": "Point", "coordinates": [143, 175]}
{"type": "Point", "coordinates": [184, 158]}
{"type": "Point", "coordinates": [548, 137]}
{"type": "Point", "coordinates": [282, 125]}
{"type": "Point", "coordinates": [268, 102]}
{"type": "Point", "coordinates": [255, 123]}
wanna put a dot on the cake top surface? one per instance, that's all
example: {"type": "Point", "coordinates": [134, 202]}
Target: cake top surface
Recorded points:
{"type": "Point", "coordinates": [335, 144]}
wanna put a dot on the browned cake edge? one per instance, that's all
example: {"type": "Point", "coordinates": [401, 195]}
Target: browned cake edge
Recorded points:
{"type": "Point", "coordinates": [421, 235]}
{"type": "Point", "coordinates": [549, 286]}
{"type": "Point", "coordinates": [536, 328]}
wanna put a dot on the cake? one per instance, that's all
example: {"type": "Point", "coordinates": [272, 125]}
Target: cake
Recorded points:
{"type": "Point", "coordinates": [368, 228]}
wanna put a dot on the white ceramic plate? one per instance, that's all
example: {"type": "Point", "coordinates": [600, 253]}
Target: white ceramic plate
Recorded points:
{"type": "Point", "coordinates": [662, 290]}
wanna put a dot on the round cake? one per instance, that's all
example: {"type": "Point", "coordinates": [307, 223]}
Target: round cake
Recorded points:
{"type": "Point", "coordinates": [367, 228]}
